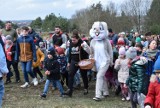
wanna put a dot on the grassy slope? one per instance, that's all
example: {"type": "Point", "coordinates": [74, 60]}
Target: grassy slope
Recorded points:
{"type": "Point", "coordinates": [16, 97]}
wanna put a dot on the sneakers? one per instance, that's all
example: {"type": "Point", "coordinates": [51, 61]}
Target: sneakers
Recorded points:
{"type": "Point", "coordinates": [42, 80]}
{"type": "Point", "coordinates": [85, 91]}
{"type": "Point", "coordinates": [97, 99]}
{"type": "Point", "coordinates": [68, 93]}
{"type": "Point", "coordinates": [35, 81]}
{"type": "Point", "coordinates": [26, 84]}
{"type": "Point", "coordinates": [123, 99]}
{"type": "Point", "coordinates": [43, 95]}
{"type": "Point", "coordinates": [128, 98]}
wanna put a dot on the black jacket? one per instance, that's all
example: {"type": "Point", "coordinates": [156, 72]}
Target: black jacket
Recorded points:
{"type": "Point", "coordinates": [53, 66]}
{"type": "Point", "coordinates": [75, 50]}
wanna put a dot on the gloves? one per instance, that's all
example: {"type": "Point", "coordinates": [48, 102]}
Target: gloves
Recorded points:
{"type": "Point", "coordinates": [147, 106]}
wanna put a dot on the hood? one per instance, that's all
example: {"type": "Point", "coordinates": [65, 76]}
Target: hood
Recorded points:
{"type": "Point", "coordinates": [141, 61]}
{"type": "Point", "coordinates": [153, 78]}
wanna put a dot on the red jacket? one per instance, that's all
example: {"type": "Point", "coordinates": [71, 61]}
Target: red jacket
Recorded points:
{"type": "Point", "coordinates": [153, 96]}
{"type": "Point", "coordinates": [9, 49]}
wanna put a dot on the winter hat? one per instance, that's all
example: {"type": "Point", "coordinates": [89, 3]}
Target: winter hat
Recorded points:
{"type": "Point", "coordinates": [131, 53]}
{"type": "Point", "coordinates": [122, 33]}
{"type": "Point", "coordinates": [8, 37]}
{"type": "Point", "coordinates": [122, 51]}
{"type": "Point", "coordinates": [121, 41]}
{"type": "Point", "coordinates": [157, 66]}
{"type": "Point", "coordinates": [60, 50]}
{"type": "Point", "coordinates": [51, 51]}
{"type": "Point", "coordinates": [138, 39]}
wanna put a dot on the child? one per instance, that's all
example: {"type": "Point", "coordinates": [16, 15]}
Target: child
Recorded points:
{"type": "Point", "coordinates": [10, 53]}
{"type": "Point", "coordinates": [63, 65]}
{"type": "Point", "coordinates": [135, 81]}
{"type": "Point", "coordinates": [52, 72]}
{"type": "Point", "coordinates": [121, 65]}
{"type": "Point", "coordinates": [40, 59]}
{"type": "Point", "coordinates": [25, 48]}
{"type": "Point", "coordinates": [152, 99]}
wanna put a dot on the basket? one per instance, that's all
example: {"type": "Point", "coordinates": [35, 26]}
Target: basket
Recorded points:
{"type": "Point", "coordinates": [86, 64]}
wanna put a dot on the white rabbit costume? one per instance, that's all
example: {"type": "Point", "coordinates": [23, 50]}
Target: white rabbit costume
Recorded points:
{"type": "Point", "coordinates": [101, 51]}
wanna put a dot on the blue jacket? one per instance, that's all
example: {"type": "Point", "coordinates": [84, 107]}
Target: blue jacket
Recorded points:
{"type": "Point", "coordinates": [25, 48]}
{"type": "Point", "coordinates": [3, 64]}
{"type": "Point", "coordinates": [150, 64]}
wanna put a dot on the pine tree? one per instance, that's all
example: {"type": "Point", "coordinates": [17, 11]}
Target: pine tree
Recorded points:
{"type": "Point", "coordinates": [153, 17]}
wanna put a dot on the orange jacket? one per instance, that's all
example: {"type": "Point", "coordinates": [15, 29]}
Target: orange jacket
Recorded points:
{"type": "Point", "coordinates": [40, 57]}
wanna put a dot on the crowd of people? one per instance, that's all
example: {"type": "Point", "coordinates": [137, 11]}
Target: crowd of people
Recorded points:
{"type": "Point", "coordinates": [127, 62]}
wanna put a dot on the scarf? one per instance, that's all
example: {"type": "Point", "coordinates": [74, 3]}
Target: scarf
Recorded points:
{"type": "Point", "coordinates": [151, 53]}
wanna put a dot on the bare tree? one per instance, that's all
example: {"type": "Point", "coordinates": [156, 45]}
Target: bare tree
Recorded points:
{"type": "Point", "coordinates": [137, 10]}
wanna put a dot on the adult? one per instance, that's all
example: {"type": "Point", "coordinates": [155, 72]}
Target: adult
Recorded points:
{"type": "Point", "coordinates": [78, 50]}
{"type": "Point", "coordinates": [8, 30]}
{"type": "Point", "coordinates": [101, 51]}
{"type": "Point", "coordinates": [59, 38]}
{"type": "Point", "coordinates": [3, 72]}
{"type": "Point", "coordinates": [112, 36]}
{"type": "Point", "coordinates": [148, 39]}
{"type": "Point", "coordinates": [37, 39]}
{"type": "Point", "coordinates": [1, 40]}
{"type": "Point", "coordinates": [151, 54]}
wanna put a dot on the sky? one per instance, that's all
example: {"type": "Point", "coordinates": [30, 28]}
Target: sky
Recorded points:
{"type": "Point", "coordinates": [31, 9]}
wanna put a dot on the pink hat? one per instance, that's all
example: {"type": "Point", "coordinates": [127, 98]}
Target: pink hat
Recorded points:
{"type": "Point", "coordinates": [122, 51]}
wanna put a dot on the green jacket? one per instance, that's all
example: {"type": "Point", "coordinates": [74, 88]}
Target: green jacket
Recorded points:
{"type": "Point", "coordinates": [135, 81]}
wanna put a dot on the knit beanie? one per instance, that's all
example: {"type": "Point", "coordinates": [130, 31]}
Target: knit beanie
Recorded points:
{"type": "Point", "coordinates": [122, 51]}
{"type": "Point", "coordinates": [8, 37]}
{"type": "Point", "coordinates": [131, 53]}
{"type": "Point", "coordinates": [51, 51]}
{"type": "Point", "coordinates": [60, 50]}
{"type": "Point", "coordinates": [157, 65]}
{"type": "Point", "coordinates": [121, 41]}
{"type": "Point", "coordinates": [138, 39]}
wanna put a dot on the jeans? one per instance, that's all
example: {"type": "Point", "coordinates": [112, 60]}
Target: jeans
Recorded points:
{"type": "Point", "coordinates": [58, 84]}
{"type": "Point", "coordinates": [15, 67]}
{"type": "Point", "coordinates": [1, 92]}
{"type": "Point", "coordinates": [27, 68]}
{"type": "Point", "coordinates": [77, 80]}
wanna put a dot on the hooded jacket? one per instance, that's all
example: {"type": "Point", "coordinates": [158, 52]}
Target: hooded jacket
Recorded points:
{"type": "Point", "coordinates": [40, 57]}
{"type": "Point", "coordinates": [153, 95]}
{"type": "Point", "coordinates": [3, 64]}
{"type": "Point", "coordinates": [53, 66]}
{"type": "Point", "coordinates": [135, 80]}
{"type": "Point", "coordinates": [25, 48]}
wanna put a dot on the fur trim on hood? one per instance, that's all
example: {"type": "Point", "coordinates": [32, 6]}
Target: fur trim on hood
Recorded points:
{"type": "Point", "coordinates": [141, 61]}
{"type": "Point", "coordinates": [153, 78]}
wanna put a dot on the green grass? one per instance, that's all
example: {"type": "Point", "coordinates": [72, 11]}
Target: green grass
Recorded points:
{"type": "Point", "coordinates": [16, 97]}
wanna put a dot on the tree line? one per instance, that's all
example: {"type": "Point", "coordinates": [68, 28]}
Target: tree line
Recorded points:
{"type": "Point", "coordinates": [131, 15]}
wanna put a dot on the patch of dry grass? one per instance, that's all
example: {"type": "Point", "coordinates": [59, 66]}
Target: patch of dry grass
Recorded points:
{"type": "Point", "coordinates": [16, 97]}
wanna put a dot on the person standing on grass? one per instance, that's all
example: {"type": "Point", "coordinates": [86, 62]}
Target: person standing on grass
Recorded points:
{"type": "Point", "coordinates": [3, 72]}
{"type": "Point", "coordinates": [78, 50]}
{"type": "Point", "coordinates": [25, 48]}
{"type": "Point", "coordinates": [121, 65]}
{"type": "Point", "coordinates": [40, 59]}
{"type": "Point", "coordinates": [52, 72]}
{"type": "Point", "coordinates": [10, 49]}
{"type": "Point", "coordinates": [135, 81]}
